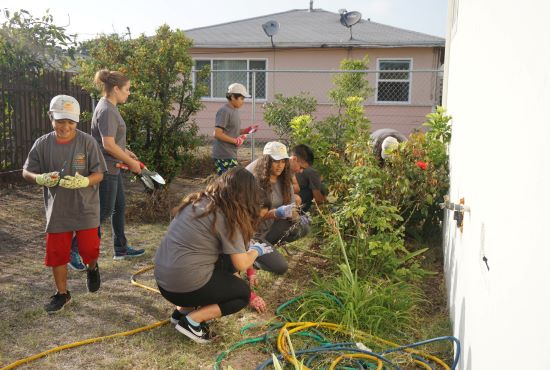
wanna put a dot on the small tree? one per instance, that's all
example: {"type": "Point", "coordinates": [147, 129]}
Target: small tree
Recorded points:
{"type": "Point", "coordinates": [28, 45]}
{"type": "Point", "coordinates": [163, 99]}
{"type": "Point", "coordinates": [282, 110]}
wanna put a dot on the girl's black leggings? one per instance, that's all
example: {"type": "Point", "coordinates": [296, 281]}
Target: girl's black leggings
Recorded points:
{"type": "Point", "coordinates": [228, 291]}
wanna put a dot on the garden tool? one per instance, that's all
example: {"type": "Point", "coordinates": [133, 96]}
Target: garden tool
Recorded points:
{"type": "Point", "coordinates": [51, 179]}
{"type": "Point", "coordinates": [146, 176]}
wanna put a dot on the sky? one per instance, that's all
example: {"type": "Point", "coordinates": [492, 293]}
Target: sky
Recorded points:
{"type": "Point", "coordinates": [89, 18]}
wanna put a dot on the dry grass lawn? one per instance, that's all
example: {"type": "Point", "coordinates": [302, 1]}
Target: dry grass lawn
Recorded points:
{"type": "Point", "coordinates": [26, 284]}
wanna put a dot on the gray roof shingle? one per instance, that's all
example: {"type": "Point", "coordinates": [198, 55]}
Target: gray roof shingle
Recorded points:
{"type": "Point", "coordinates": [301, 28]}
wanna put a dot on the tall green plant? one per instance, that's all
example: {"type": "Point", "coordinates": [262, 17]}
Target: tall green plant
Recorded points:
{"type": "Point", "coordinates": [375, 305]}
{"type": "Point", "coordinates": [282, 110]}
{"type": "Point", "coordinates": [159, 111]}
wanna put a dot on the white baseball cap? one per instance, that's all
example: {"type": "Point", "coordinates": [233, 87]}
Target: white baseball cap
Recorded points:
{"type": "Point", "coordinates": [65, 107]}
{"type": "Point", "coordinates": [237, 88]}
{"type": "Point", "coordinates": [276, 150]}
{"type": "Point", "coordinates": [388, 145]}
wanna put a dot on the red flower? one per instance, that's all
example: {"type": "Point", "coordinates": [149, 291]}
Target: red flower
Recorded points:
{"type": "Point", "coordinates": [421, 165]}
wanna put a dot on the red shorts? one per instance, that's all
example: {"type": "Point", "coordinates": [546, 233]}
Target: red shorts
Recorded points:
{"type": "Point", "coordinates": [58, 246]}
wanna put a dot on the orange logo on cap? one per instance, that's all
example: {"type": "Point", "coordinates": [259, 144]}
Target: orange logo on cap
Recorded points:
{"type": "Point", "coordinates": [68, 106]}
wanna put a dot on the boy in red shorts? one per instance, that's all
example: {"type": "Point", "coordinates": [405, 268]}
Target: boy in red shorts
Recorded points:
{"type": "Point", "coordinates": [68, 164]}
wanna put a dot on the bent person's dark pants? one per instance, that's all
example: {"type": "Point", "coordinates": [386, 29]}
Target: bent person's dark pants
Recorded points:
{"type": "Point", "coordinates": [281, 231]}
{"type": "Point", "coordinates": [226, 290]}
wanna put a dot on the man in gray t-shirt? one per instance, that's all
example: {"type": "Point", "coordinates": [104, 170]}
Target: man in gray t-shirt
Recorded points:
{"type": "Point", "coordinates": [228, 135]}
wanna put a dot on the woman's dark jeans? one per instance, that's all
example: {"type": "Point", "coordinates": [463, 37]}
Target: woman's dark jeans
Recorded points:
{"type": "Point", "coordinates": [112, 203]}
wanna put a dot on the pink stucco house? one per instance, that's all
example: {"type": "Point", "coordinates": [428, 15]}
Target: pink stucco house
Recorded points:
{"type": "Point", "coordinates": [314, 40]}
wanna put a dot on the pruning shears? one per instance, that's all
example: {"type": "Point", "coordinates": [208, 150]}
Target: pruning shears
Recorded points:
{"type": "Point", "coordinates": [146, 176]}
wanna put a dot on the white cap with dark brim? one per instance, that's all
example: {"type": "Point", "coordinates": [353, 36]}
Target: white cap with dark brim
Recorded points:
{"type": "Point", "coordinates": [276, 150]}
{"type": "Point", "coordinates": [238, 88]}
{"type": "Point", "coordinates": [65, 107]}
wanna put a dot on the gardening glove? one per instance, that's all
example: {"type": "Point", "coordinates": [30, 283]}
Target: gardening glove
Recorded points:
{"type": "Point", "coordinates": [261, 248]}
{"type": "Point", "coordinates": [74, 182]}
{"type": "Point", "coordinates": [284, 211]}
{"type": "Point", "coordinates": [49, 179]}
{"type": "Point", "coordinates": [250, 129]}
{"type": "Point", "coordinates": [240, 140]}
{"type": "Point", "coordinates": [305, 220]}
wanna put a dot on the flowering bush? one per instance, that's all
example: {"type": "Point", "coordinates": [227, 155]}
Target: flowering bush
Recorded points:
{"type": "Point", "coordinates": [417, 176]}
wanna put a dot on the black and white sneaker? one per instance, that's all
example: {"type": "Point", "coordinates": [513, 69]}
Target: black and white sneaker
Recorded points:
{"type": "Point", "coordinates": [199, 334]}
{"type": "Point", "coordinates": [177, 315]}
{"type": "Point", "coordinates": [93, 280]}
{"type": "Point", "coordinates": [57, 302]}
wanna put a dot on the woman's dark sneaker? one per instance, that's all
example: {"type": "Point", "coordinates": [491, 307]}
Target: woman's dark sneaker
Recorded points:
{"type": "Point", "coordinates": [57, 302]}
{"type": "Point", "coordinates": [199, 334]}
{"type": "Point", "coordinates": [130, 253]}
{"type": "Point", "coordinates": [93, 281]}
{"type": "Point", "coordinates": [76, 262]}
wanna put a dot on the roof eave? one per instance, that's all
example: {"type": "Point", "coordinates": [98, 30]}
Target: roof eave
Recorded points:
{"type": "Point", "coordinates": [317, 46]}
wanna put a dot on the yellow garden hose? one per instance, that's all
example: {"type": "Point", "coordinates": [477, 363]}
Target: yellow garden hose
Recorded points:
{"type": "Point", "coordinates": [133, 279]}
{"type": "Point", "coordinates": [98, 339]}
{"type": "Point", "coordinates": [356, 355]}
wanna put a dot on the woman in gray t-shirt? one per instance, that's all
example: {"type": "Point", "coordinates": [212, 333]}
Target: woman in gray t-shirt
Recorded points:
{"type": "Point", "coordinates": [281, 224]}
{"type": "Point", "coordinates": [190, 269]}
{"type": "Point", "coordinates": [109, 130]}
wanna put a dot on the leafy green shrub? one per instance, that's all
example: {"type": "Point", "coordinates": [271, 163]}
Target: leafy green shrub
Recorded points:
{"type": "Point", "coordinates": [371, 224]}
{"type": "Point", "coordinates": [159, 110]}
{"type": "Point", "coordinates": [282, 110]}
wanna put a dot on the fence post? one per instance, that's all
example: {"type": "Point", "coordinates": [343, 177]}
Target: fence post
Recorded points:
{"type": "Point", "coordinates": [252, 143]}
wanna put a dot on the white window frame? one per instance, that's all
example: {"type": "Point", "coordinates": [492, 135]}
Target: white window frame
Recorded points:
{"type": "Point", "coordinates": [248, 82]}
{"type": "Point", "coordinates": [409, 80]}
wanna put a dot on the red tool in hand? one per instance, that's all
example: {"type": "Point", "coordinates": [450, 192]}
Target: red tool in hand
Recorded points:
{"type": "Point", "coordinates": [146, 176]}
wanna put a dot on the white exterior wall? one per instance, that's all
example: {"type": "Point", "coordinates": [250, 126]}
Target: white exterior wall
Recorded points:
{"type": "Point", "coordinates": [498, 92]}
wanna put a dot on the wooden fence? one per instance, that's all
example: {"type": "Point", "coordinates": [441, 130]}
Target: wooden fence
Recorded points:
{"type": "Point", "coordinates": [24, 103]}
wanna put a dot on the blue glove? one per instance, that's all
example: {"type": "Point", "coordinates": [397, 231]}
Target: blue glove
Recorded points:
{"type": "Point", "coordinates": [261, 248]}
{"type": "Point", "coordinates": [284, 211]}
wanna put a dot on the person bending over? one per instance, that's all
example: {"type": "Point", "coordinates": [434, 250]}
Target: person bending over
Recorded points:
{"type": "Point", "coordinates": [206, 242]}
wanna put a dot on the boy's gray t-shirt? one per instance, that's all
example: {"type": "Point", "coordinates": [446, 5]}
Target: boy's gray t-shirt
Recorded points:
{"type": "Point", "coordinates": [309, 178]}
{"type": "Point", "coordinates": [188, 252]}
{"type": "Point", "coordinates": [68, 209]}
{"type": "Point", "coordinates": [229, 120]}
{"type": "Point", "coordinates": [107, 121]}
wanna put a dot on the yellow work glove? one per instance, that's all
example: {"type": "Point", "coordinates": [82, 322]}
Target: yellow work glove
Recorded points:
{"type": "Point", "coordinates": [74, 182]}
{"type": "Point", "coordinates": [48, 179]}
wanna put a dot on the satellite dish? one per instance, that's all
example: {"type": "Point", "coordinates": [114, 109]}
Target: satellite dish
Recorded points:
{"type": "Point", "coordinates": [348, 19]}
{"type": "Point", "coordinates": [271, 28]}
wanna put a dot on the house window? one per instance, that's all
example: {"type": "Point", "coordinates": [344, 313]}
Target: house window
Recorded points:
{"type": "Point", "coordinates": [225, 72]}
{"type": "Point", "coordinates": [395, 86]}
